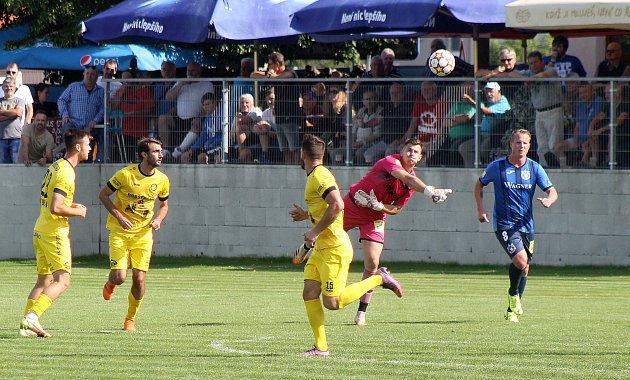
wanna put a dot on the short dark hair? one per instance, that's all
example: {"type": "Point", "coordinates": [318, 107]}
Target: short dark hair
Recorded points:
{"type": "Point", "coordinates": [413, 141]}
{"type": "Point", "coordinates": [143, 145]}
{"type": "Point", "coordinates": [41, 87]}
{"type": "Point", "coordinates": [207, 96]}
{"type": "Point", "coordinates": [561, 40]}
{"type": "Point", "coordinates": [42, 111]}
{"type": "Point", "coordinates": [535, 54]}
{"type": "Point", "coordinates": [313, 146]}
{"type": "Point", "coordinates": [72, 135]}
{"type": "Point", "coordinates": [276, 57]}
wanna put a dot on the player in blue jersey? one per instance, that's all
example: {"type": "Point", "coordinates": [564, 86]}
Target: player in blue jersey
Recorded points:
{"type": "Point", "coordinates": [515, 178]}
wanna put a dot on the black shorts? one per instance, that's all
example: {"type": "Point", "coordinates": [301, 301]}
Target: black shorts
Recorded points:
{"type": "Point", "coordinates": [514, 241]}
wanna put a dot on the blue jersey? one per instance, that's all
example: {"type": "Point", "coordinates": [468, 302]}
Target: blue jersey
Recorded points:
{"type": "Point", "coordinates": [211, 135]}
{"type": "Point", "coordinates": [514, 190]}
{"type": "Point", "coordinates": [567, 66]}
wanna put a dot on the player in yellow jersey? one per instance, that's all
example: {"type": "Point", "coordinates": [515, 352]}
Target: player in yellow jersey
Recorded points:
{"type": "Point", "coordinates": [326, 271]}
{"type": "Point", "coordinates": [131, 222]}
{"type": "Point", "coordinates": [51, 235]}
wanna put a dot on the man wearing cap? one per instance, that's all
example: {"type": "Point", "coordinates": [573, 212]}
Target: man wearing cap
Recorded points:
{"type": "Point", "coordinates": [547, 99]}
{"type": "Point", "coordinates": [489, 131]}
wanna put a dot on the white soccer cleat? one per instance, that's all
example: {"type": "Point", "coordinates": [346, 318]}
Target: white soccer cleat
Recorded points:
{"type": "Point", "coordinates": [359, 319]}
{"type": "Point", "coordinates": [34, 326]}
{"type": "Point", "coordinates": [27, 333]}
{"type": "Point", "coordinates": [300, 254]}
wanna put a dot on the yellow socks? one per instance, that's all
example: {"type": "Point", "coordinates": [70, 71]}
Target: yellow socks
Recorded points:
{"type": "Point", "coordinates": [315, 313]}
{"type": "Point", "coordinates": [29, 305]}
{"type": "Point", "coordinates": [353, 292]}
{"type": "Point", "coordinates": [134, 306]}
{"type": "Point", "coordinates": [41, 305]}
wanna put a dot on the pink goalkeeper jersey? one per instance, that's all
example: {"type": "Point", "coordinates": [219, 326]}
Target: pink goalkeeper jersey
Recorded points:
{"type": "Point", "coordinates": [387, 188]}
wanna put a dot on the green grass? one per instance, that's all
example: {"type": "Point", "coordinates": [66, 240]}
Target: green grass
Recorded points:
{"type": "Point", "coordinates": [244, 319]}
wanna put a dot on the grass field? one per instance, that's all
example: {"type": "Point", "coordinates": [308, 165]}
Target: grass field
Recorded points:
{"type": "Point", "coordinates": [244, 319]}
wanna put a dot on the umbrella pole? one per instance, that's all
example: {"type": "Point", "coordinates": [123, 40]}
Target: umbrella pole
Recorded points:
{"type": "Point", "coordinates": [256, 92]}
{"type": "Point", "coordinates": [475, 34]}
{"type": "Point", "coordinates": [524, 46]}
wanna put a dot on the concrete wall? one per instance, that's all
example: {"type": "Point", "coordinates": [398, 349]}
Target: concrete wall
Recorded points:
{"type": "Point", "coordinates": [243, 211]}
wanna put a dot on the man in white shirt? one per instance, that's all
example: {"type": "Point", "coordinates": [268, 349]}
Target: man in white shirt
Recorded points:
{"type": "Point", "coordinates": [22, 91]}
{"type": "Point", "coordinates": [188, 96]}
{"type": "Point", "coordinates": [110, 68]}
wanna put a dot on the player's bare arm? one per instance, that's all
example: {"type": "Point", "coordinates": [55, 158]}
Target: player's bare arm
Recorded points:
{"type": "Point", "coordinates": [298, 214]}
{"type": "Point", "coordinates": [58, 207]}
{"type": "Point", "coordinates": [415, 183]}
{"type": "Point", "coordinates": [482, 215]}
{"type": "Point", "coordinates": [156, 223]}
{"type": "Point", "coordinates": [104, 197]}
{"type": "Point", "coordinates": [391, 209]}
{"type": "Point", "coordinates": [551, 198]}
{"type": "Point", "coordinates": [335, 206]}
{"type": "Point", "coordinates": [371, 201]}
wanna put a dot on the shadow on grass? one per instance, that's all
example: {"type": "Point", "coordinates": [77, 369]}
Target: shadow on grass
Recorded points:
{"type": "Point", "coordinates": [207, 324]}
{"type": "Point", "coordinates": [280, 264]}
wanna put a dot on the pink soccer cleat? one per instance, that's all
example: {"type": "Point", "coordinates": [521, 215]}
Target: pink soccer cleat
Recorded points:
{"type": "Point", "coordinates": [314, 352]}
{"type": "Point", "coordinates": [390, 282]}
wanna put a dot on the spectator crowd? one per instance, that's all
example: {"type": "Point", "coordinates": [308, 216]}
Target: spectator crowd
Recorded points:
{"type": "Point", "coordinates": [362, 116]}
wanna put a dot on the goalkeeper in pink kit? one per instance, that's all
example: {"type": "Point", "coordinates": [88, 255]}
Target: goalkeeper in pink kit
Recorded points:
{"type": "Point", "coordinates": [384, 190]}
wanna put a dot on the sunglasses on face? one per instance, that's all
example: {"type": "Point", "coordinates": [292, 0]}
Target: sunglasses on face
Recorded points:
{"type": "Point", "coordinates": [333, 91]}
{"type": "Point", "coordinates": [9, 72]}
{"type": "Point", "coordinates": [506, 60]}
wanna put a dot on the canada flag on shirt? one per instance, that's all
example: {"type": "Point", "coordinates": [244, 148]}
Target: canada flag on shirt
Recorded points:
{"type": "Point", "coordinates": [429, 117]}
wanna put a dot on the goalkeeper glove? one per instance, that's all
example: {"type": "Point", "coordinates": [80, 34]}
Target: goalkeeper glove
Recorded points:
{"type": "Point", "coordinates": [437, 195]}
{"type": "Point", "coordinates": [300, 254]}
{"type": "Point", "coordinates": [369, 201]}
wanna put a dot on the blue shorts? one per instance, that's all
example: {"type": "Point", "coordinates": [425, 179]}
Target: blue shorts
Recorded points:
{"type": "Point", "coordinates": [514, 241]}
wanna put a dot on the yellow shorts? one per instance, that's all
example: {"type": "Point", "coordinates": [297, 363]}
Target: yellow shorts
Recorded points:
{"type": "Point", "coordinates": [52, 252]}
{"type": "Point", "coordinates": [134, 249]}
{"type": "Point", "coordinates": [330, 267]}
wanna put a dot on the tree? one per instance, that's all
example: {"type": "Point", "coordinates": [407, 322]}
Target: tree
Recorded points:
{"type": "Point", "coordinates": [59, 21]}
{"type": "Point", "coordinates": [541, 42]}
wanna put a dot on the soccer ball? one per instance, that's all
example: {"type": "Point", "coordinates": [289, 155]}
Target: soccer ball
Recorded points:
{"type": "Point", "coordinates": [441, 62]}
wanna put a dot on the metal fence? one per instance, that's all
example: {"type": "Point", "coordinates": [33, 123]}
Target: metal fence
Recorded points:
{"type": "Point", "coordinates": [461, 122]}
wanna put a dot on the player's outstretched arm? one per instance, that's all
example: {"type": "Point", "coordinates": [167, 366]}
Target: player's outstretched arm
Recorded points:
{"type": "Point", "coordinates": [436, 195]}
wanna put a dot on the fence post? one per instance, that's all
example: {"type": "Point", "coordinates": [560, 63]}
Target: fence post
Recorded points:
{"type": "Point", "coordinates": [612, 162]}
{"type": "Point", "coordinates": [225, 102]}
{"type": "Point", "coordinates": [348, 121]}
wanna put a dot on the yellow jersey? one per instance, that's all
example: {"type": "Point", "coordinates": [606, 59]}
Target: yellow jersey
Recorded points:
{"type": "Point", "coordinates": [136, 193]}
{"type": "Point", "coordinates": [59, 178]}
{"type": "Point", "coordinates": [319, 183]}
